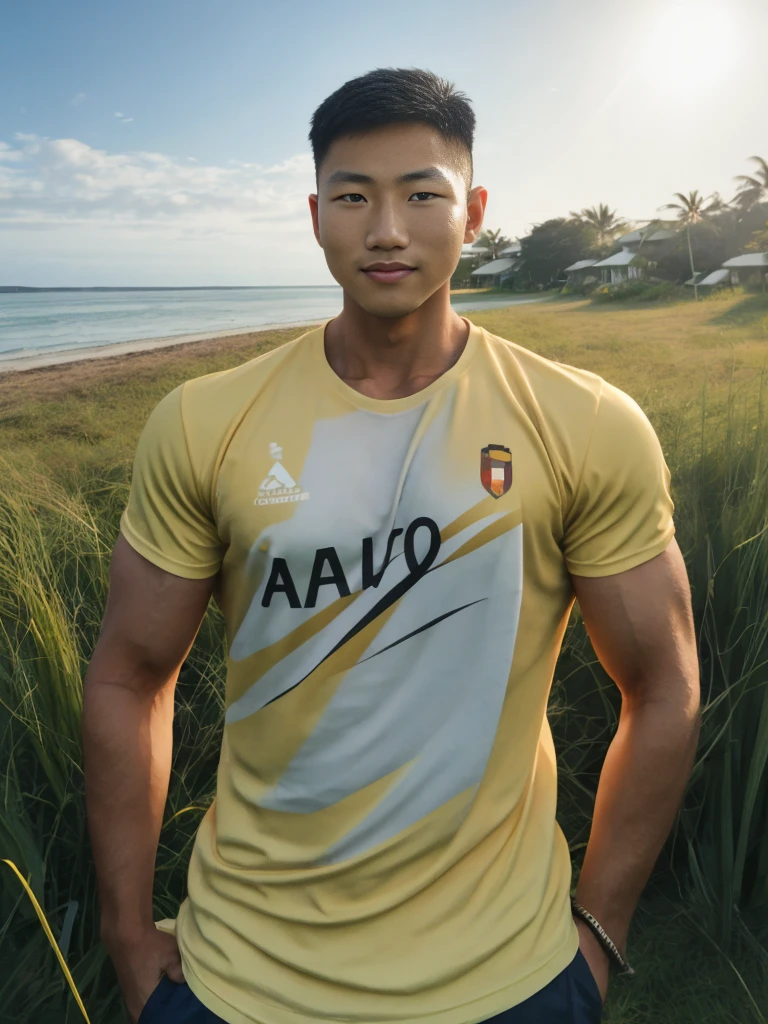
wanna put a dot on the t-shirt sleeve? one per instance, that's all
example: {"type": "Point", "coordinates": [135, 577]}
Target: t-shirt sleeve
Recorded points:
{"type": "Point", "coordinates": [621, 514]}
{"type": "Point", "coordinates": [168, 518]}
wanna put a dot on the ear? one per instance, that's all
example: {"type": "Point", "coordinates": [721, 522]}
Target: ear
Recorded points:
{"type": "Point", "coordinates": [476, 203]}
{"type": "Point", "coordinates": [314, 212]}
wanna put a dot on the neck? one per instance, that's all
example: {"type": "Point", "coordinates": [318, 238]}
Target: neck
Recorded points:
{"type": "Point", "coordinates": [393, 357]}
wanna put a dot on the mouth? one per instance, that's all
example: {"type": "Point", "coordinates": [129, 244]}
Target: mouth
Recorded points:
{"type": "Point", "coordinates": [397, 274]}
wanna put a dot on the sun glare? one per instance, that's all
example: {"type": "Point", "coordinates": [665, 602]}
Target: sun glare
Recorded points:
{"type": "Point", "coordinates": [690, 48]}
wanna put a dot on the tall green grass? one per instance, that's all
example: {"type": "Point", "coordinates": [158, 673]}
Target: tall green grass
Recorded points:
{"type": "Point", "coordinates": [54, 559]}
{"type": "Point", "coordinates": [725, 824]}
{"type": "Point", "coordinates": [716, 859]}
{"type": "Point", "coordinates": [55, 542]}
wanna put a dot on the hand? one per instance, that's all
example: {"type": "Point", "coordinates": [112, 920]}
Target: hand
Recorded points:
{"type": "Point", "coordinates": [595, 955]}
{"type": "Point", "coordinates": [140, 962]}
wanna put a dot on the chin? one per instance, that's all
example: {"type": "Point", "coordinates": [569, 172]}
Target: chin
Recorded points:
{"type": "Point", "coordinates": [388, 307]}
{"type": "Point", "coordinates": [390, 310]}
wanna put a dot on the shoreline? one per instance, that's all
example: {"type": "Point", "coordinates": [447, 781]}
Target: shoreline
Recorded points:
{"type": "Point", "coordinates": [36, 359]}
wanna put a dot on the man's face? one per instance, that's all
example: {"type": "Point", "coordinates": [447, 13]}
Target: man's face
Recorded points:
{"type": "Point", "coordinates": [422, 222]}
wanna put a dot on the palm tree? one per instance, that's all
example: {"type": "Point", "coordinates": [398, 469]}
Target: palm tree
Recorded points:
{"type": "Point", "coordinates": [753, 189]}
{"type": "Point", "coordinates": [691, 209]}
{"type": "Point", "coordinates": [603, 220]}
{"type": "Point", "coordinates": [492, 242]}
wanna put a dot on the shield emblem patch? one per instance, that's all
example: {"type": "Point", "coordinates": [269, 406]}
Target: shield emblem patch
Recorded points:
{"type": "Point", "coordinates": [496, 469]}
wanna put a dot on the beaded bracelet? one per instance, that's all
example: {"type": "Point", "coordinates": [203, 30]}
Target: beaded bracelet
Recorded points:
{"type": "Point", "coordinates": [601, 934]}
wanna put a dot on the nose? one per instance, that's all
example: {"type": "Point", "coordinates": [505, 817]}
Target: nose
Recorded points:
{"type": "Point", "coordinates": [386, 227]}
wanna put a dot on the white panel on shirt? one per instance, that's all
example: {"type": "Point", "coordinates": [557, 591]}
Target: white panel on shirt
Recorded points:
{"type": "Point", "coordinates": [432, 701]}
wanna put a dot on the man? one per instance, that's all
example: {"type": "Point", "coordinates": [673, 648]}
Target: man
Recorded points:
{"type": "Point", "coordinates": [395, 513]}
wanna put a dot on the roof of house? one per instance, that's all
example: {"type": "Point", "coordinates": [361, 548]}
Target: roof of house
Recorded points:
{"type": "Point", "coordinates": [749, 259]}
{"type": "Point", "coordinates": [494, 267]}
{"type": "Point", "coordinates": [619, 259]}
{"type": "Point", "coordinates": [716, 277]}
{"type": "Point", "coordinates": [580, 265]}
{"type": "Point", "coordinates": [659, 235]}
{"type": "Point", "coordinates": [470, 249]}
{"type": "Point", "coordinates": [511, 250]}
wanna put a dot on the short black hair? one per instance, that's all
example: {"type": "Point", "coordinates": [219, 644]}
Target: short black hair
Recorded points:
{"type": "Point", "coordinates": [387, 96]}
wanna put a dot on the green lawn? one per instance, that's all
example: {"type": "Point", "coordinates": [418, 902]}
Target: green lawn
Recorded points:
{"type": "Point", "coordinates": [699, 370]}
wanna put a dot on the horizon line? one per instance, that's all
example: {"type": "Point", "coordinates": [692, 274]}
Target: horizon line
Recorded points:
{"type": "Point", "coordinates": [13, 288]}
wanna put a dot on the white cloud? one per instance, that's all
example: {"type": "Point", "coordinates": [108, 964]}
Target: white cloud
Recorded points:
{"type": "Point", "coordinates": [123, 118]}
{"type": "Point", "coordinates": [116, 215]}
{"type": "Point", "coordinates": [66, 179]}
{"type": "Point", "coordinates": [78, 98]}
{"type": "Point", "coordinates": [6, 153]}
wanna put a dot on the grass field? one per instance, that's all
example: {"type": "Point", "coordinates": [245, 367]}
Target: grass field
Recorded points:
{"type": "Point", "coordinates": [700, 371]}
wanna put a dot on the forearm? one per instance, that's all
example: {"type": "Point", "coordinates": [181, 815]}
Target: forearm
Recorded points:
{"type": "Point", "coordinates": [127, 749]}
{"type": "Point", "coordinates": [641, 787]}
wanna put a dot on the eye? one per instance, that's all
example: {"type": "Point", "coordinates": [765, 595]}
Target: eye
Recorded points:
{"type": "Point", "coordinates": [353, 196]}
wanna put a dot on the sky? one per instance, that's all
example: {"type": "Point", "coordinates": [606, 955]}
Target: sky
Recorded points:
{"type": "Point", "coordinates": [165, 142]}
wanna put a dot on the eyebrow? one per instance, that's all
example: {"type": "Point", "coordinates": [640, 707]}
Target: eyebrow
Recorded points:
{"type": "Point", "coordinates": [355, 178]}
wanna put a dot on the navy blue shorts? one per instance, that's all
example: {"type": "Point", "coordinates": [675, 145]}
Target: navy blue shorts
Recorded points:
{"type": "Point", "coordinates": [571, 998]}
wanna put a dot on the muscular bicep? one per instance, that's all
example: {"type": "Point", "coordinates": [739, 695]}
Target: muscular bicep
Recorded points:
{"type": "Point", "coordinates": [641, 626]}
{"type": "Point", "coordinates": [150, 621]}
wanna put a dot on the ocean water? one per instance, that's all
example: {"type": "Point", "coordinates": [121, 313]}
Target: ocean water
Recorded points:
{"type": "Point", "coordinates": [42, 322]}
{"type": "Point", "coordinates": [50, 321]}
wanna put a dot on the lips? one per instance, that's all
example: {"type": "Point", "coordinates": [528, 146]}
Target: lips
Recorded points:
{"type": "Point", "coordinates": [389, 275]}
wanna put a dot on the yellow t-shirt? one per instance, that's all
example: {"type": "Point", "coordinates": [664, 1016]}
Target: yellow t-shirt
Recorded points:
{"type": "Point", "coordinates": [394, 577]}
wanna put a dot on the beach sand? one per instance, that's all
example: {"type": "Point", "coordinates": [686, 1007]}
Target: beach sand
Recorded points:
{"type": "Point", "coordinates": [35, 359]}
{"type": "Point", "coordinates": [38, 360]}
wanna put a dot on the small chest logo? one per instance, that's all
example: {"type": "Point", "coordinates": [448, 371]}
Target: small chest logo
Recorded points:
{"type": "Point", "coordinates": [496, 469]}
{"type": "Point", "coordinates": [278, 486]}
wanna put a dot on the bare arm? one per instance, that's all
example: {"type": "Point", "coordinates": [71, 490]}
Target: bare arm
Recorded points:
{"type": "Point", "coordinates": [149, 625]}
{"type": "Point", "coordinates": [641, 627]}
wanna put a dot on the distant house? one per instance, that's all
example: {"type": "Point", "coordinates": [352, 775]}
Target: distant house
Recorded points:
{"type": "Point", "coordinates": [470, 249]}
{"type": "Point", "coordinates": [652, 242]}
{"type": "Point", "coordinates": [497, 273]}
{"type": "Point", "coordinates": [473, 250]}
{"type": "Point", "coordinates": [648, 242]}
{"type": "Point", "coordinates": [620, 267]}
{"type": "Point", "coordinates": [748, 262]}
{"type": "Point", "coordinates": [717, 279]}
{"type": "Point", "coordinates": [512, 250]}
{"type": "Point", "coordinates": [580, 272]}
{"type": "Point", "coordinates": [494, 273]}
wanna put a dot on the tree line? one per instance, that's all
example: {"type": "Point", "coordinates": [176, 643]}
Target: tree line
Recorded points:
{"type": "Point", "coordinates": [709, 231]}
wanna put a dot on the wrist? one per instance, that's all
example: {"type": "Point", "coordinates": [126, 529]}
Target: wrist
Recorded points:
{"type": "Point", "coordinates": [614, 921]}
{"type": "Point", "coordinates": [587, 936]}
{"type": "Point", "coordinates": [616, 956]}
